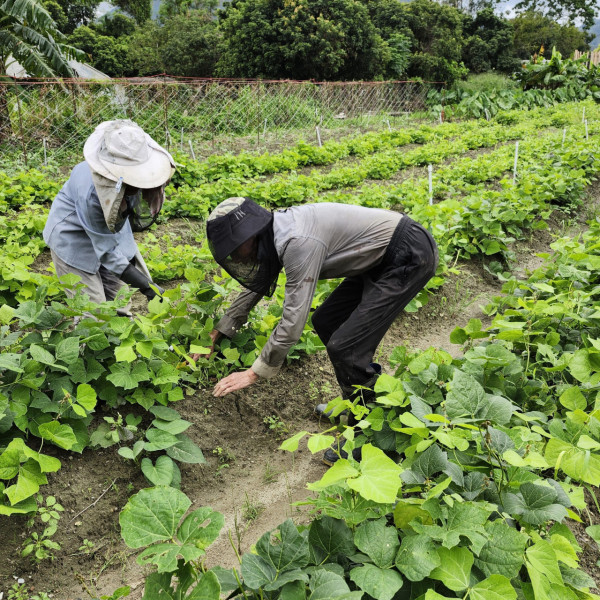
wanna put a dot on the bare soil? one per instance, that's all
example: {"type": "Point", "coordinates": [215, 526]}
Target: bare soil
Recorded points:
{"type": "Point", "coordinates": [246, 477]}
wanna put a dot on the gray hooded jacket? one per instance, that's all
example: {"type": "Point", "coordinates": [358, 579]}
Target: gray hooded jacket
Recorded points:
{"type": "Point", "coordinates": [77, 230]}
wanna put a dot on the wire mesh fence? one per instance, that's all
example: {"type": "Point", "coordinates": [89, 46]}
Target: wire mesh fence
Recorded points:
{"type": "Point", "coordinates": [48, 121]}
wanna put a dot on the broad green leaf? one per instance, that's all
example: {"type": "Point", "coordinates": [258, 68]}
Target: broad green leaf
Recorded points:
{"type": "Point", "coordinates": [319, 442]}
{"type": "Point", "coordinates": [256, 571]}
{"type": "Point", "coordinates": [582, 465]}
{"type": "Point", "coordinates": [340, 471]}
{"type": "Point", "coordinates": [125, 353]}
{"type": "Point", "coordinates": [6, 314]}
{"type": "Point", "coordinates": [533, 459]}
{"type": "Point", "coordinates": [405, 512]}
{"type": "Point", "coordinates": [86, 396]}
{"type": "Point", "coordinates": [11, 362]}
{"type": "Point", "coordinates": [172, 427]}
{"type": "Point", "coordinates": [201, 527]}
{"type": "Point", "coordinates": [379, 478]}
{"type": "Point", "coordinates": [10, 460]}
{"type": "Point", "coordinates": [542, 558]}
{"type": "Point", "coordinates": [564, 551]}
{"type": "Point", "coordinates": [503, 553]}
{"type": "Point", "coordinates": [29, 479]}
{"type": "Point", "coordinates": [61, 435]}
{"type": "Point", "coordinates": [466, 396]}
{"type": "Point", "coordinates": [41, 355]}
{"type": "Point", "coordinates": [573, 399]}
{"type": "Point", "coordinates": [159, 474]}
{"type": "Point", "coordinates": [29, 505]}
{"type": "Point", "coordinates": [495, 587]}
{"type": "Point", "coordinates": [378, 583]}
{"type": "Point", "coordinates": [165, 413]}
{"type": "Point", "coordinates": [291, 444]}
{"type": "Point", "coordinates": [378, 541]}
{"type": "Point", "coordinates": [332, 537]}
{"type": "Point", "coordinates": [594, 532]}
{"type": "Point", "coordinates": [159, 440]}
{"type": "Point", "coordinates": [292, 551]}
{"type": "Point", "coordinates": [461, 519]}
{"type": "Point", "coordinates": [417, 557]}
{"type": "Point", "coordinates": [186, 451]}
{"type": "Point", "coordinates": [67, 350]}
{"type": "Point", "coordinates": [208, 588]}
{"type": "Point", "coordinates": [537, 504]}
{"type": "Point", "coordinates": [152, 515]}
{"type": "Point", "coordinates": [165, 555]}
{"type": "Point", "coordinates": [325, 585]}
{"type": "Point", "coordinates": [455, 568]}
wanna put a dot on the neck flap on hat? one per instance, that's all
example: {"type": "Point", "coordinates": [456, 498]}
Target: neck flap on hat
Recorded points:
{"type": "Point", "coordinates": [110, 195]}
{"type": "Point", "coordinates": [258, 266]}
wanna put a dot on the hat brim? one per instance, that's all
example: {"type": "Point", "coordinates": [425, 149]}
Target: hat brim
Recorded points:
{"type": "Point", "coordinates": [156, 171]}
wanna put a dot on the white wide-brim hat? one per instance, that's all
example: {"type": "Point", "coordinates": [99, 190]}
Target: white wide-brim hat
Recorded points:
{"type": "Point", "coordinates": [122, 149]}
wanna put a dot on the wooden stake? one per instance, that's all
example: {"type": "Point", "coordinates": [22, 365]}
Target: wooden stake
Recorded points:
{"type": "Point", "coordinates": [515, 165]}
{"type": "Point", "coordinates": [430, 174]}
{"type": "Point", "coordinates": [318, 129]}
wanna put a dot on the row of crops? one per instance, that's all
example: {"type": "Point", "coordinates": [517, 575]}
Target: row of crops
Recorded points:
{"type": "Point", "coordinates": [469, 467]}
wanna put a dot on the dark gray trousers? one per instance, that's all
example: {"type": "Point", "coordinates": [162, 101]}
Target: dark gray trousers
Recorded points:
{"type": "Point", "coordinates": [355, 317]}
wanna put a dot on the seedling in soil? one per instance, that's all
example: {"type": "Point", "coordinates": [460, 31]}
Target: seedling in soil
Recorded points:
{"type": "Point", "coordinates": [224, 455]}
{"type": "Point", "coordinates": [270, 475]}
{"type": "Point", "coordinates": [277, 426]}
{"type": "Point", "coordinates": [87, 547]}
{"type": "Point", "coordinates": [39, 545]}
{"type": "Point", "coordinates": [251, 509]}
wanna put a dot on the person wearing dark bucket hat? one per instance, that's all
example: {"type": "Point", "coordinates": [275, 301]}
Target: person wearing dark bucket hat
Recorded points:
{"type": "Point", "coordinates": [117, 190]}
{"type": "Point", "coordinates": [385, 258]}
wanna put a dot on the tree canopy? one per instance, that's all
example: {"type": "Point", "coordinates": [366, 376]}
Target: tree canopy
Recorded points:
{"type": "Point", "coordinates": [301, 39]}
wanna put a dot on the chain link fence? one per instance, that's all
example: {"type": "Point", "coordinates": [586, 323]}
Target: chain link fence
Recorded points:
{"type": "Point", "coordinates": [48, 121]}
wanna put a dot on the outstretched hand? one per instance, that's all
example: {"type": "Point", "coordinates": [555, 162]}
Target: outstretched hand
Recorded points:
{"type": "Point", "coordinates": [214, 336]}
{"type": "Point", "coordinates": [234, 382]}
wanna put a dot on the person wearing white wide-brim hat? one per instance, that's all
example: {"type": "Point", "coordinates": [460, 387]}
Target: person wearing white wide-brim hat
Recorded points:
{"type": "Point", "coordinates": [117, 190]}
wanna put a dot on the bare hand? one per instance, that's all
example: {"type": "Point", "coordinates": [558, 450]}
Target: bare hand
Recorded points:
{"type": "Point", "coordinates": [234, 382]}
{"type": "Point", "coordinates": [214, 336]}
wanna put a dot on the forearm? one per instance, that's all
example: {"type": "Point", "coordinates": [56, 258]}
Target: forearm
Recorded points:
{"type": "Point", "coordinates": [237, 314]}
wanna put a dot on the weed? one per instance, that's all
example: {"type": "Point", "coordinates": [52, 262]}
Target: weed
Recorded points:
{"type": "Point", "coordinates": [87, 547]}
{"type": "Point", "coordinates": [39, 546]}
{"type": "Point", "coordinates": [18, 591]}
{"type": "Point", "coordinates": [277, 426]}
{"type": "Point", "coordinates": [251, 509]}
{"type": "Point", "coordinates": [224, 455]}
{"type": "Point", "coordinates": [270, 474]}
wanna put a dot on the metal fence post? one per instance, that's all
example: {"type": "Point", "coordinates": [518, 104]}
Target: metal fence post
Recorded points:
{"type": "Point", "coordinates": [21, 132]}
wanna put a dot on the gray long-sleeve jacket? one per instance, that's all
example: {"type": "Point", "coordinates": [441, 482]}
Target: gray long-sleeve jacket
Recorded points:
{"type": "Point", "coordinates": [313, 241]}
{"type": "Point", "coordinates": [77, 232]}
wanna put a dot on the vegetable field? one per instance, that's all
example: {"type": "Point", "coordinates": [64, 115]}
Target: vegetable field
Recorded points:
{"type": "Point", "coordinates": [121, 476]}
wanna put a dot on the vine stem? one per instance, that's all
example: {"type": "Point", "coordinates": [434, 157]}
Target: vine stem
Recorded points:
{"type": "Point", "coordinates": [94, 502]}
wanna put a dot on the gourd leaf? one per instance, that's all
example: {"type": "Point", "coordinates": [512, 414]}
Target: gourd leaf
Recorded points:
{"type": "Point", "coordinates": [378, 541]}
{"type": "Point", "coordinates": [377, 582]}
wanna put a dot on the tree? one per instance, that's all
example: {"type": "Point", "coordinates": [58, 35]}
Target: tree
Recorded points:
{"type": "Point", "coordinates": [436, 33]}
{"type": "Point", "coordinates": [572, 11]}
{"type": "Point", "coordinates": [140, 10]}
{"type": "Point", "coordinates": [171, 8]}
{"type": "Point", "coordinates": [186, 45]}
{"type": "Point", "coordinates": [105, 53]}
{"type": "Point", "coordinates": [534, 30]}
{"type": "Point", "coordinates": [299, 39]}
{"type": "Point", "coordinates": [70, 15]}
{"type": "Point", "coordinates": [28, 34]}
{"type": "Point", "coordinates": [115, 25]}
{"type": "Point", "coordinates": [489, 43]}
